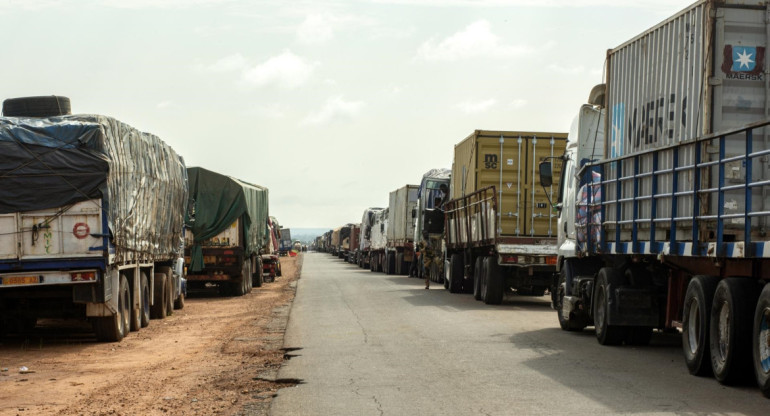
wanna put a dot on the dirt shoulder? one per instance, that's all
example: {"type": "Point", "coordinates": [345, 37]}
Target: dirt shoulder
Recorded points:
{"type": "Point", "coordinates": [216, 356]}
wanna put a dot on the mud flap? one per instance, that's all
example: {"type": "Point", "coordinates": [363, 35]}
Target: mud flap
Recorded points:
{"type": "Point", "coordinates": [632, 307]}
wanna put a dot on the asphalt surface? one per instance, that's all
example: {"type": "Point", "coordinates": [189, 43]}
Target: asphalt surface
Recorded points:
{"type": "Point", "coordinates": [372, 344]}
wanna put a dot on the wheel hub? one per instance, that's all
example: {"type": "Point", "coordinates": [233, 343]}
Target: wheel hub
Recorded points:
{"type": "Point", "coordinates": [764, 341]}
{"type": "Point", "coordinates": [693, 326]}
{"type": "Point", "coordinates": [724, 331]}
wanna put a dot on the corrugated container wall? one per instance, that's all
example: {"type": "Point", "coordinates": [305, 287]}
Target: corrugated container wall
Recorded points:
{"type": "Point", "coordinates": [401, 223]}
{"type": "Point", "coordinates": [508, 160]}
{"type": "Point", "coordinates": [700, 71]}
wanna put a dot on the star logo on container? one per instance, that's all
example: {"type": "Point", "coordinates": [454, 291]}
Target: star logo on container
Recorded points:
{"type": "Point", "coordinates": [744, 58]}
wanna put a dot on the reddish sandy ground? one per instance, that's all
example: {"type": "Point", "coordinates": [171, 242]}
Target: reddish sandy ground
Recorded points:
{"type": "Point", "coordinates": [216, 356]}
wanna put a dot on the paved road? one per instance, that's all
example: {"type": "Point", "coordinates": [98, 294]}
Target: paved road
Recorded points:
{"type": "Point", "coordinates": [383, 345]}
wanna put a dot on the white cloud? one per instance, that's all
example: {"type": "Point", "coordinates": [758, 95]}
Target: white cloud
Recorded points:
{"type": "Point", "coordinates": [476, 40]}
{"type": "Point", "coordinates": [475, 107]}
{"type": "Point", "coordinates": [163, 104]}
{"type": "Point", "coordinates": [230, 63]}
{"type": "Point", "coordinates": [315, 29]}
{"type": "Point", "coordinates": [334, 108]}
{"type": "Point", "coordinates": [518, 103]}
{"type": "Point", "coordinates": [321, 27]}
{"type": "Point", "coordinates": [286, 70]}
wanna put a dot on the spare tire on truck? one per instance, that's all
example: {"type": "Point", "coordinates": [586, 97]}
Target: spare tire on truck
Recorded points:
{"type": "Point", "coordinates": [43, 106]}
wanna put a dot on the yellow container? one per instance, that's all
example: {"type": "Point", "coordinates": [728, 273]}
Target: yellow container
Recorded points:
{"type": "Point", "coordinates": [508, 160]}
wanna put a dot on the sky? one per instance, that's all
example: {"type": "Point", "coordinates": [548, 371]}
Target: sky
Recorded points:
{"type": "Point", "coordinates": [331, 104]}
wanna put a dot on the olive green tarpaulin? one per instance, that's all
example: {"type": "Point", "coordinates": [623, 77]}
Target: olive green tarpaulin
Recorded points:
{"type": "Point", "coordinates": [216, 201]}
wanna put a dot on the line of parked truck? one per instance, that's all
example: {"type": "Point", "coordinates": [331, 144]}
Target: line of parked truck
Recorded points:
{"type": "Point", "coordinates": [103, 222]}
{"type": "Point", "coordinates": [651, 213]}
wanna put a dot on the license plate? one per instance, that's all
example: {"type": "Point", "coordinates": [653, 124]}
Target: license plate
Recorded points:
{"type": "Point", "coordinates": [21, 280]}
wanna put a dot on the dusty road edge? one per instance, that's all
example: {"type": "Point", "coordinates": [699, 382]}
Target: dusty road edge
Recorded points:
{"type": "Point", "coordinates": [280, 316]}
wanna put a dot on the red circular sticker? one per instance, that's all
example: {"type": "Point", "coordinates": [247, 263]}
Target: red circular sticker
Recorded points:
{"type": "Point", "coordinates": [81, 230]}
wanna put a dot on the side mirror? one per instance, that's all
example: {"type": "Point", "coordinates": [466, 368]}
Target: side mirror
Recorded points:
{"type": "Point", "coordinates": [414, 212]}
{"type": "Point", "coordinates": [546, 174]}
{"type": "Point", "coordinates": [382, 228]}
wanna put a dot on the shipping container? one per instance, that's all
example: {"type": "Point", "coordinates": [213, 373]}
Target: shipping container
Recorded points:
{"type": "Point", "coordinates": [400, 236]}
{"type": "Point", "coordinates": [507, 161]}
{"type": "Point", "coordinates": [500, 231]}
{"type": "Point", "coordinates": [662, 222]}
{"type": "Point", "coordinates": [699, 72]}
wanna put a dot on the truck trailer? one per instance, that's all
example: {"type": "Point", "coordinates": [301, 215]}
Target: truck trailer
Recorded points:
{"type": "Point", "coordinates": [365, 240]}
{"type": "Point", "coordinates": [378, 241]}
{"type": "Point", "coordinates": [227, 223]}
{"type": "Point", "coordinates": [400, 234]}
{"type": "Point", "coordinates": [91, 223]}
{"type": "Point", "coordinates": [500, 229]}
{"type": "Point", "coordinates": [663, 204]}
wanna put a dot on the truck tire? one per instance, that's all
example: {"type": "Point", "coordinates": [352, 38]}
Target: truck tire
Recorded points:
{"type": "Point", "coordinates": [478, 271]}
{"type": "Point", "coordinates": [259, 277]}
{"type": "Point", "coordinates": [169, 304]}
{"type": "Point", "coordinates": [456, 273]}
{"type": "Point", "coordinates": [391, 263]}
{"type": "Point", "coordinates": [144, 291]}
{"type": "Point", "coordinates": [572, 323]}
{"type": "Point", "coordinates": [158, 308]}
{"type": "Point", "coordinates": [136, 311]}
{"type": "Point", "coordinates": [606, 334]}
{"type": "Point", "coordinates": [732, 313]}
{"type": "Point", "coordinates": [42, 106]}
{"type": "Point", "coordinates": [399, 263]}
{"type": "Point", "coordinates": [239, 287]}
{"type": "Point", "coordinates": [695, 324]}
{"type": "Point", "coordinates": [761, 341]}
{"type": "Point", "coordinates": [179, 302]}
{"type": "Point", "coordinates": [115, 328]}
{"type": "Point", "coordinates": [493, 281]}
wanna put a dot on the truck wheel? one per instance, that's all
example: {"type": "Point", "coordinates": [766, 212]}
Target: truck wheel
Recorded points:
{"type": "Point", "coordinates": [239, 287]}
{"type": "Point", "coordinates": [169, 304]}
{"type": "Point", "coordinates": [179, 302]}
{"type": "Point", "coordinates": [136, 310]}
{"type": "Point", "coordinates": [761, 341]}
{"type": "Point", "coordinates": [493, 295]}
{"type": "Point", "coordinates": [730, 328]}
{"type": "Point", "coordinates": [606, 334]}
{"type": "Point", "coordinates": [114, 328]}
{"type": "Point", "coordinates": [391, 259]}
{"type": "Point", "coordinates": [259, 277]}
{"type": "Point", "coordinates": [399, 263]}
{"type": "Point", "coordinates": [158, 308]}
{"type": "Point", "coordinates": [695, 324]}
{"type": "Point", "coordinates": [572, 323]}
{"type": "Point", "coordinates": [456, 273]}
{"type": "Point", "coordinates": [478, 271]}
{"type": "Point", "coordinates": [144, 288]}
